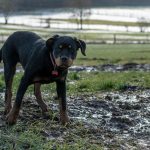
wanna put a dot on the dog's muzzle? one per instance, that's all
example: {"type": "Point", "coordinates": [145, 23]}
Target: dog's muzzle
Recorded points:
{"type": "Point", "coordinates": [64, 62]}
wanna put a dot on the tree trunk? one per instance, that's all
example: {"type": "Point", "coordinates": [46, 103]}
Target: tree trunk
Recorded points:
{"type": "Point", "coordinates": [81, 19]}
{"type": "Point", "coordinates": [6, 20]}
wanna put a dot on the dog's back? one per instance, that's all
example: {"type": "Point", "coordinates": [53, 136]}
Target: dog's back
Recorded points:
{"type": "Point", "coordinates": [20, 46]}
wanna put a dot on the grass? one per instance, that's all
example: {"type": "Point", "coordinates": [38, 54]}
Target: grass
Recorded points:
{"type": "Point", "coordinates": [93, 82]}
{"type": "Point", "coordinates": [21, 138]}
{"type": "Point", "coordinates": [115, 54]}
{"type": "Point", "coordinates": [107, 22]}
{"type": "Point", "coordinates": [102, 36]}
{"type": "Point", "coordinates": [42, 134]}
{"type": "Point", "coordinates": [102, 81]}
{"type": "Point", "coordinates": [103, 54]}
{"type": "Point", "coordinates": [35, 135]}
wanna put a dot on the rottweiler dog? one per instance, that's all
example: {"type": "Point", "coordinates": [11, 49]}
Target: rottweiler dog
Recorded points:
{"type": "Point", "coordinates": [43, 62]}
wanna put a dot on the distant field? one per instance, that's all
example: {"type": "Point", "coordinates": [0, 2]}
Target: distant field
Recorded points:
{"type": "Point", "coordinates": [115, 54]}
{"type": "Point", "coordinates": [107, 54]}
{"type": "Point", "coordinates": [90, 36]}
{"type": "Point", "coordinates": [34, 132]}
{"type": "Point", "coordinates": [97, 53]}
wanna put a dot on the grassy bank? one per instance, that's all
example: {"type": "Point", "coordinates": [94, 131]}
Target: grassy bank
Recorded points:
{"type": "Point", "coordinates": [91, 36]}
{"type": "Point", "coordinates": [115, 54]}
{"type": "Point", "coordinates": [33, 132]}
{"type": "Point", "coordinates": [92, 82]}
{"type": "Point", "coordinates": [25, 136]}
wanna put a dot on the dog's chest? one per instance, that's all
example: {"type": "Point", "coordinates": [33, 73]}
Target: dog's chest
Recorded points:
{"type": "Point", "coordinates": [48, 78]}
{"type": "Point", "coordinates": [42, 79]}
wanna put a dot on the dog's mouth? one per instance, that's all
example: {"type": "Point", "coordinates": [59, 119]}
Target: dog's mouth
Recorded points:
{"type": "Point", "coordinates": [64, 66]}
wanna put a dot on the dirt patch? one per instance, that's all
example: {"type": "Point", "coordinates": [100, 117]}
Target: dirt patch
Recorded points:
{"type": "Point", "coordinates": [113, 67]}
{"type": "Point", "coordinates": [103, 68]}
{"type": "Point", "coordinates": [124, 115]}
{"type": "Point", "coordinates": [109, 119]}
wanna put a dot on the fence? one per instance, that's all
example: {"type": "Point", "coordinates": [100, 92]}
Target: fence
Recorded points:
{"type": "Point", "coordinates": [120, 39]}
{"type": "Point", "coordinates": [103, 38]}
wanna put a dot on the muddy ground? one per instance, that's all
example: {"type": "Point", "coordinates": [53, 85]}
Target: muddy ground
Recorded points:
{"type": "Point", "coordinates": [113, 120]}
{"type": "Point", "coordinates": [113, 67]}
{"type": "Point", "coordinates": [104, 68]}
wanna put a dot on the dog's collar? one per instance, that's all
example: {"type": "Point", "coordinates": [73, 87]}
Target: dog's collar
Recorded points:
{"type": "Point", "coordinates": [54, 72]}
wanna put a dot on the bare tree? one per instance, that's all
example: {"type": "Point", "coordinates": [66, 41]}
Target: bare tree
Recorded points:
{"type": "Point", "coordinates": [143, 24]}
{"type": "Point", "coordinates": [81, 10]}
{"type": "Point", "coordinates": [7, 7]}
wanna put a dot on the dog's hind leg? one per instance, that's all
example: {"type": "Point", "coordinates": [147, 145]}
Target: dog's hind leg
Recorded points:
{"type": "Point", "coordinates": [37, 93]}
{"type": "Point", "coordinates": [9, 71]}
{"type": "Point", "coordinates": [11, 118]}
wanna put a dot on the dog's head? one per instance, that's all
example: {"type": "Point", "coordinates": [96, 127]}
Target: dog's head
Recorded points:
{"type": "Point", "coordinates": [64, 49]}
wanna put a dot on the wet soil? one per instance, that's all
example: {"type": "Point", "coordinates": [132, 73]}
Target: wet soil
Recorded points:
{"type": "Point", "coordinates": [103, 68]}
{"type": "Point", "coordinates": [113, 67]}
{"type": "Point", "coordinates": [114, 120]}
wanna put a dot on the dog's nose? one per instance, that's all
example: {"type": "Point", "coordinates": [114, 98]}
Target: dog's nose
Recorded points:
{"type": "Point", "coordinates": [64, 59]}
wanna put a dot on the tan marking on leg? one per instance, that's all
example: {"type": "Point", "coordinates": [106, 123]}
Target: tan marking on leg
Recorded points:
{"type": "Point", "coordinates": [11, 118]}
{"type": "Point", "coordinates": [8, 96]}
{"type": "Point", "coordinates": [38, 96]}
{"type": "Point", "coordinates": [64, 119]}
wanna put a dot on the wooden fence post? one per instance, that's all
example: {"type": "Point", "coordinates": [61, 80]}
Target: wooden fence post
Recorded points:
{"type": "Point", "coordinates": [115, 39]}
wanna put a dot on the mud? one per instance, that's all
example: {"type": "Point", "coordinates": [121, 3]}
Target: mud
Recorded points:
{"type": "Point", "coordinates": [113, 119]}
{"type": "Point", "coordinates": [125, 115]}
{"type": "Point", "coordinates": [103, 68]}
{"type": "Point", "coordinates": [113, 68]}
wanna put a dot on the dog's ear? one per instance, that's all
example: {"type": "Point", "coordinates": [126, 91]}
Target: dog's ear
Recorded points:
{"type": "Point", "coordinates": [81, 44]}
{"type": "Point", "coordinates": [51, 41]}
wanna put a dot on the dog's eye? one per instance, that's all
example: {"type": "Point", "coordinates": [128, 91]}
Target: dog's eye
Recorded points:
{"type": "Point", "coordinates": [60, 46]}
{"type": "Point", "coordinates": [69, 46]}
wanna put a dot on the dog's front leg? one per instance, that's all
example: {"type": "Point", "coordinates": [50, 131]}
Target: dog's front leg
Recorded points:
{"type": "Point", "coordinates": [61, 91]}
{"type": "Point", "coordinates": [11, 118]}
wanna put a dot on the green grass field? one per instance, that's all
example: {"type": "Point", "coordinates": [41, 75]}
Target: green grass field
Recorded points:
{"type": "Point", "coordinates": [93, 36]}
{"type": "Point", "coordinates": [31, 134]}
{"type": "Point", "coordinates": [115, 54]}
{"type": "Point", "coordinates": [106, 54]}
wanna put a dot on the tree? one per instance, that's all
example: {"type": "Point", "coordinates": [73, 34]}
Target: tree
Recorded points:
{"type": "Point", "coordinates": [7, 7]}
{"type": "Point", "coordinates": [81, 10]}
{"type": "Point", "coordinates": [143, 24]}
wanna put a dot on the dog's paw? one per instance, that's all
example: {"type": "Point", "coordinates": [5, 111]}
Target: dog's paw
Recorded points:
{"type": "Point", "coordinates": [64, 120]}
{"type": "Point", "coordinates": [50, 115]}
{"type": "Point", "coordinates": [7, 110]}
{"type": "Point", "coordinates": [11, 119]}
{"type": "Point", "coordinates": [46, 115]}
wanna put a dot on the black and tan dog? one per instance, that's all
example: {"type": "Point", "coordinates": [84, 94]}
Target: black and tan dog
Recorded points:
{"type": "Point", "coordinates": [43, 62]}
